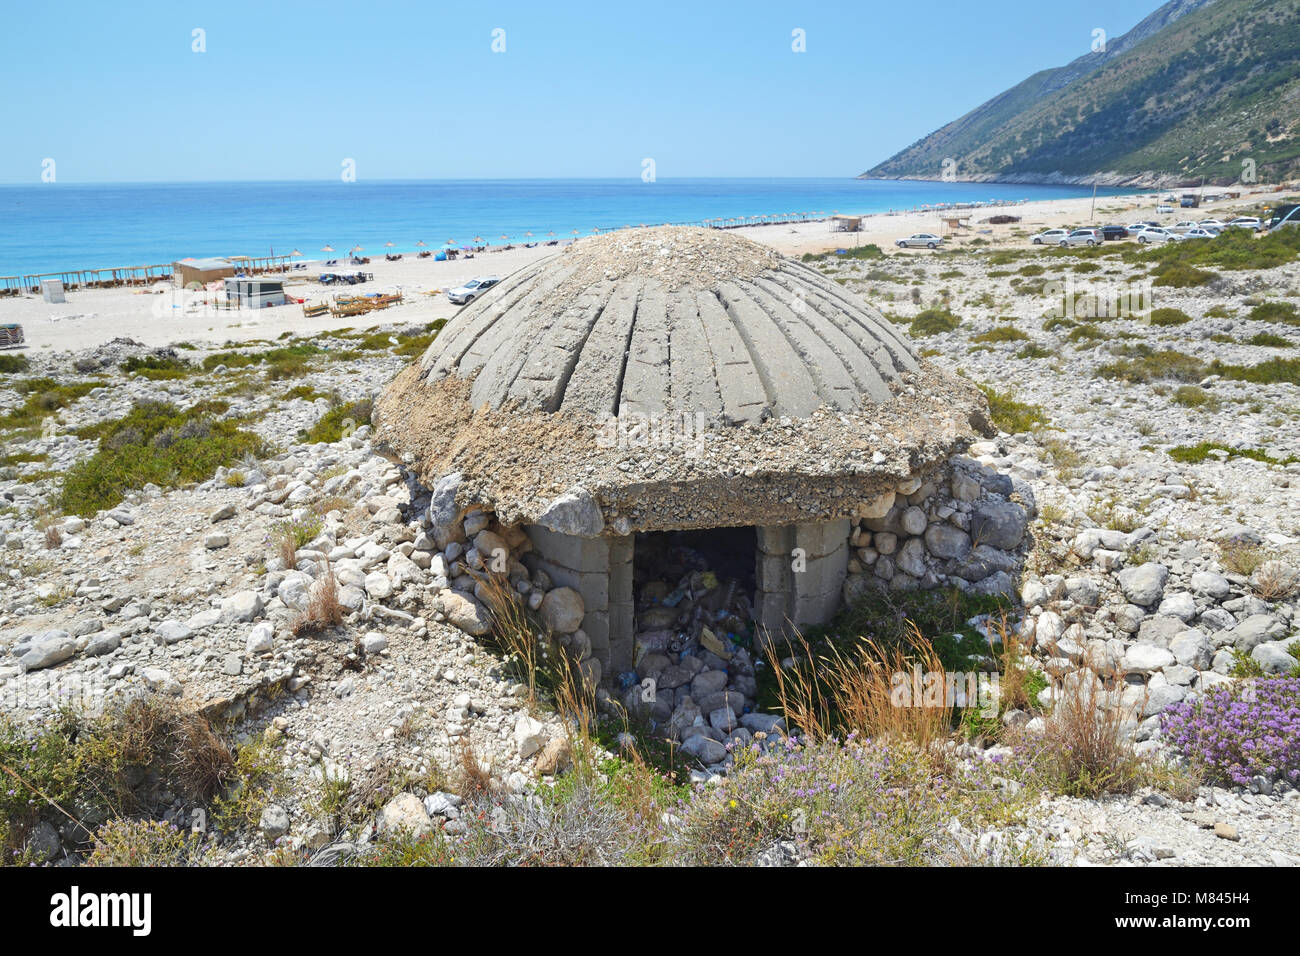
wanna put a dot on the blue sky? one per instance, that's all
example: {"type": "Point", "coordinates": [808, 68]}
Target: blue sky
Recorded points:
{"type": "Point", "coordinates": [287, 90]}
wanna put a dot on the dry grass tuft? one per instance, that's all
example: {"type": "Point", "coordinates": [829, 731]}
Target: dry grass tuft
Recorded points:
{"type": "Point", "coordinates": [323, 609]}
{"type": "Point", "coordinates": [858, 691]}
{"type": "Point", "coordinates": [519, 636]}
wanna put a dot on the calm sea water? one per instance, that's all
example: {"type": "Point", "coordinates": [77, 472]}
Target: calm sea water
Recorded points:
{"type": "Point", "coordinates": [57, 226]}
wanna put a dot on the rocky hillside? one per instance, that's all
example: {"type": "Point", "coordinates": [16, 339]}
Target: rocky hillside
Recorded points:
{"type": "Point", "coordinates": [1192, 91]}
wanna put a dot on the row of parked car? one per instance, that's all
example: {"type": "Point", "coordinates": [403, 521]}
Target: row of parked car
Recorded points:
{"type": "Point", "coordinates": [1144, 232]}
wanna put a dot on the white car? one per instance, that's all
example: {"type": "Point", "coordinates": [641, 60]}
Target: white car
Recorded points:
{"type": "Point", "coordinates": [1157, 234]}
{"type": "Point", "coordinates": [1210, 224]}
{"type": "Point", "coordinates": [1184, 226]}
{"type": "Point", "coordinates": [1081, 237]}
{"type": "Point", "coordinates": [1163, 210]}
{"type": "Point", "coordinates": [471, 290]}
{"type": "Point", "coordinates": [1244, 222]}
{"type": "Point", "coordinates": [1199, 233]}
{"type": "Point", "coordinates": [920, 240]}
{"type": "Point", "coordinates": [1136, 228]}
{"type": "Point", "coordinates": [1051, 237]}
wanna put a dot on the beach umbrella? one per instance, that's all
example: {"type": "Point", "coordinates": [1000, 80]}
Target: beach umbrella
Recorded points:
{"type": "Point", "coordinates": [528, 234]}
{"type": "Point", "coordinates": [551, 233]}
{"type": "Point", "coordinates": [478, 238]}
{"type": "Point", "coordinates": [420, 244]}
{"type": "Point", "coordinates": [388, 245]}
{"type": "Point", "coordinates": [595, 229]}
{"type": "Point", "coordinates": [327, 248]}
{"type": "Point", "coordinates": [575, 232]}
{"type": "Point", "coordinates": [295, 253]}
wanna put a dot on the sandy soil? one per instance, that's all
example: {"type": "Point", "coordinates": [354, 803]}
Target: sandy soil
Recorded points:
{"type": "Point", "coordinates": [161, 316]}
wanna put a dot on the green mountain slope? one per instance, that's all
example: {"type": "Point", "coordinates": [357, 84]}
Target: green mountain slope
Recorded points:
{"type": "Point", "coordinates": [1191, 92]}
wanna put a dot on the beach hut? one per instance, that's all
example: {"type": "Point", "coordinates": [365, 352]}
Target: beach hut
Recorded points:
{"type": "Point", "coordinates": [201, 271]}
{"type": "Point", "coordinates": [846, 224]}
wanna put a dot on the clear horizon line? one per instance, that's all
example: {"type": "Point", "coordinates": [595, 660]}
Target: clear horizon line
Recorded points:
{"type": "Point", "coordinates": [408, 179]}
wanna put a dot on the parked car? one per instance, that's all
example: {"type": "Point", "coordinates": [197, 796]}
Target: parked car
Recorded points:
{"type": "Point", "coordinates": [920, 240]}
{"type": "Point", "coordinates": [1244, 222]}
{"type": "Point", "coordinates": [463, 295]}
{"type": "Point", "coordinates": [1199, 233]}
{"type": "Point", "coordinates": [1163, 210]}
{"type": "Point", "coordinates": [1183, 226]}
{"type": "Point", "coordinates": [1157, 234]}
{"type": "Point", "coordinates": [1049, 236]}
{"type": "Point", "coordinates": [1110, 233]}
{"type": "Point", "coordinates": [1210, 224]}
{"type": "Point", "coordinates": [1082, 237]}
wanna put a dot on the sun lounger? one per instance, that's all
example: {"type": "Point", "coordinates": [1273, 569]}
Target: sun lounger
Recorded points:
{"type": "Point", "coordinates": [11, 335]}
{"type": "Point", "coordinates": [319, 308]}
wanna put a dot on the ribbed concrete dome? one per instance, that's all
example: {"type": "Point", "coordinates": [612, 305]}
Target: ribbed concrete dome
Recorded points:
{"type": "Point", "coordinates": [668, 321]}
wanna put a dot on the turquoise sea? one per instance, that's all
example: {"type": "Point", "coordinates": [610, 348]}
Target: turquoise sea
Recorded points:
{"type": "Point", "coordinates": [64, 226]}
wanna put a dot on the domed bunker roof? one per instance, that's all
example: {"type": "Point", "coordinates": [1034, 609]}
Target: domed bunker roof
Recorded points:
{"type": "Point", "coordinates": [679, 377]}
{"type": "Point", "coordinates": [670, 320]}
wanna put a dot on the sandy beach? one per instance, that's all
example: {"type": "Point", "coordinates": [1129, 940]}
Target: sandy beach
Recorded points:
{"type": "Point", "coordinates": [158, 316]}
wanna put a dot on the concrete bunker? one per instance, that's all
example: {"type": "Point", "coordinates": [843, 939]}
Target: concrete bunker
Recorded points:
{"type": "Point", "coordinates": [675, 388]}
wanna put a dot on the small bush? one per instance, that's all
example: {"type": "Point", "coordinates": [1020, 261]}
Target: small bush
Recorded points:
{"type": "Point", "coordinates": [157, 367]}
{"type": "Point", "coordinates": [1165, 317]}
{"type": "Point", "coordinates": [1148, 366]}
{"type": "Point", "coordinates": [933, 322]}
{"type": "Point", "coordinates": [142, 843]}
{"type": "Point", "coordinates": [154, 443]}
{"type": "Point", "coordinates": [1240, 731]}
{"type": "Point", "coordinates": [1269, 372]}
{"type": "Point", "coordinates": [1010, 415]}
{"type": "Point", "coordinates": [1193, 396]}
{"type": "Point", "coordinates": [1284, 312]}
{"type": "Point", "coordinates": [1271, 340]}
{"type": "Point", "coordinates": [1002, 333]}
{"type": "Point", "coordinates": [13, 364]}
{"type": "Point", "coordinates": [339, 422]}
{"type": "Point", "coordinates": [1179, 275]}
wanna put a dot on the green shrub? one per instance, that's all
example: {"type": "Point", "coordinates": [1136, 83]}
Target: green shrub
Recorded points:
{"type": "Point", "coordinates": [157, 367]}
{"type": "Point", "coordinates": [1002, 333]}
{"type": "Point", "coordinates": [1270, 372]}
{"type": "Point", "coordinates": [1195, 454]}
{"type": "Point", "coordinates": [153, 443]}
{"type": "Point", "coordinates": [1275, 312]}
{"type": "Point", "coordinates": [1193, 396]}
{"type": "Point", "coordinates": [339, 422]}
{"type": "Point", "coordinates": [1033, 351]}
{"type": "Point", "coordinates": [1270, 340]}
{"type": "Point", "coordinates": [933, 322]}
{"type": "Point", "coordinates": [1148, 366]}
{"type": "Point", "coordinates": [1169, 317]}
{"type": "Point", "coordinates": [44, 397]}
{"type": "Point", "coordinates": [1179, 275]}
{"type": "Point", "coordinates": [1010, 415]}
{"type": "Point", "coordinates": [12, 364]}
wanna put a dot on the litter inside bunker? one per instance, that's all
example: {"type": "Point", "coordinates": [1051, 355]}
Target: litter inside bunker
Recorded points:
{"type": "Point", "coordinates": [695, 592]}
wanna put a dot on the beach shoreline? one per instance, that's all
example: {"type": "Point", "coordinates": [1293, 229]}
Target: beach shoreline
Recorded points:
{"type": "Point", "coordinates": [158, 316]}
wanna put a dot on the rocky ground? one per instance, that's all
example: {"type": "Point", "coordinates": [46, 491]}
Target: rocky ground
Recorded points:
{"type": "Point", "coordinates": [1172, 573]}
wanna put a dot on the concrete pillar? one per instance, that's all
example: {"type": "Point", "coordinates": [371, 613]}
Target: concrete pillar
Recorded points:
{"type": "Point", "coordinates": [600, 569]}
{"type": "Point", "coordinates": [800, 574]}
